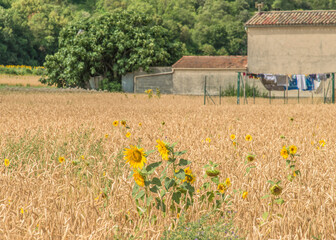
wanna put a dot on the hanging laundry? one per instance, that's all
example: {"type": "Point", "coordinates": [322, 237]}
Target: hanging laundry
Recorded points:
{"type": "Point", "coordinates": [270, 78]}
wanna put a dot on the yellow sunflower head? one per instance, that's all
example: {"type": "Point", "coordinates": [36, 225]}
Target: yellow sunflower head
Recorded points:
{"type": "Point", "coordinates": [208, 140]}
{"type": "Point", "coordinates": [190, 178]}
{"type": "Point", "coordinates": [163, 150]}
{"type": "Point", "coordinates": [322, 143]}
{"type": "Point", "coordinates": [244, 195]}
{"type": "Point", "coordinates": [106, 135]}
{"type": "Point", "coordinates": [128, 134]}
{"type": "Point", "coordinates": [228, 182]}
{"type": "Point", "coordinates": [135, 156]}
{"type": "Point", "coordinates": [292, 149]}
{"type": "Point", "coordinates": [284, 152]}
{"type": "Point", "coordinates": [115, 123]}
{"type": "Point", "coordinates": [233, 137]}
{"type": "Point", "coordinates": [221, 188]}
{"type": "Point", "coordinates": [276, 190]}
{"type": "Point", "coordinates": [248, 138]}
{"type": "Point", "coordinates": [139, 179]}
{"type": "Point", "coordinates": [250, 157]}
{"type": "Point", "coordinates": [140, 124]}
{"type": "Point", "coordinates": [123, 122]}
{"type": "Point", "coordinates": [61, 159]}
{"type": "Point", "coordinates": [6, 162]}
{"type": "Point", "coordinates": [234, 143]}
{"type": "Point", "coordinates": [188, 171]}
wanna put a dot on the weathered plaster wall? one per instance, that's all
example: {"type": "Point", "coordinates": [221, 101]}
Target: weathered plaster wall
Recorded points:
{"type": "Point", "coordinates": [292, 50]}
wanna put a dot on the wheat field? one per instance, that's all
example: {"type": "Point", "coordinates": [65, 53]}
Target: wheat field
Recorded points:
{"type": "Point", "coordinates": [89, 195]}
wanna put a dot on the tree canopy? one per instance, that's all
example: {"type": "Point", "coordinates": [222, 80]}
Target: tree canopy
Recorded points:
{"type": "Point", "coordinates": [30, 29]}
{"type": "Point", "coordinates": [110, 45]}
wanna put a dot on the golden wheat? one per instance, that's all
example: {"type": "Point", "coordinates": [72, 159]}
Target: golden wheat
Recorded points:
{"type": "Point", "coordinates": [89, 194]}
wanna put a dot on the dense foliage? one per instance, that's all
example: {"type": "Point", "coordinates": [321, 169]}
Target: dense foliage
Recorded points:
{"type": "Point", "coordinates": [110, 45]}
{"type": "Point", "coordinates": [30, 29]}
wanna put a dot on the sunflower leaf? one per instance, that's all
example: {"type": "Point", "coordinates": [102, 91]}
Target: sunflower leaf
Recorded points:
{"type": "Point", "coordinates": [151, 167]}
{"type": "Point", "coordinates": [169, 183]}
{"type": "Point", "coordinates": [279, 201]}
{"type": "Point", "coordinates": [271, 182]}
{"type": "Point", "coordinates": [266, 196]}
{"type": "Point", "coordinates": [135, 190]}
{"type": "Point", "coordinates": [215, 180]}
{"type": "Point", "coordinates": [156, 181]}
{"type": "Point", "coordinates": [149, 201]}
{"type": "Point", "coordinates": [180, 174]}
{"type": "Point", "coordinates": [140, 194]}
{"type": "Point", "coordinates": [183, 162]}
{"type": "Point", "coordinates": [297, 172]}
{"type": "Point", "coordinates": [177, 197]}
{"type": "Point", "coordinates": [265, 215]}
{"type": "Point", "coordinates": [180, 153]}
{"type": "Point", "coordinates": [154, 189]}
{"type": "Point", "coordinates": [149, 152]}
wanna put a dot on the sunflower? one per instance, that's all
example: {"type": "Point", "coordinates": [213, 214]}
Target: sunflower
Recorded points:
{"type": "Point", "coordinates": [61, 159]}
{"type": "Point", "coordinates": [115, 123]}
{"type": "Point", "coordinates": [212, 173]}
{"type": "Point", "coordinates": [284, 152]}
{"type": "Point", "coordinates": [139, 179]}
{"type": "Point", "coordinates": [135, 156]}
{"type": "Point", "coordinates": [188, 171]}
{"type": "Point", "coordinates": [140, 124]}
{"type": "Point", "coordinates": [233, 137]}
{"type": "Point", "coordinates": [250, 157]}
{"type": "Point", "coordinates": [106, 135]}
{"type": "Point", "coordinates": [6, 162]}
{"type": "Point", "coordinates": [244, 195]}
{"type": "Point", "coordinates": [190, 178]}
{"type": "Point", "coordinates": [208, 140]}
{"type": "Point", "coordinates": [221, 188]}
{"type": "Point", "coordinates": [234, 143]}
{"type": "Point", "coordinates": [322, 143]}
{"type": "Point", "coordinates": [128, 134]}
{"type": "Point", "coordinates": [163, 150]}
{"type": "Point", "coordinates": [123, 122]}
{"type": "Point", "coordinates": [276, 190]}
{"type": "Point", "coordinates": [228, 182]}
{"type": "Point", "coordinates": [248, 137]}
{"type": "Point", "coordinates": [292, 149]}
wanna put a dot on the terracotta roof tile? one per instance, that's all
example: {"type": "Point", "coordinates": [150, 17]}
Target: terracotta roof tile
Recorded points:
{"type": "Point", "coordinates": [225, 62]}
{"type": "Point", "coordinates": [287, 18]}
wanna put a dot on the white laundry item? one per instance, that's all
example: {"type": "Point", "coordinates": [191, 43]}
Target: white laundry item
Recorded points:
{"type": "Point", "coordinates": [301, 82]}
{"type": "Point", "coordinates": [270, 78]}
{"type": "Point", "coordinates": [316, 84]}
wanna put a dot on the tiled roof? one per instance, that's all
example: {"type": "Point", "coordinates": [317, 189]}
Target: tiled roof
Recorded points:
{"type": "Point", "coordinates": [287, 18]}
{"type": "Point", "coordinates": [223, 62]}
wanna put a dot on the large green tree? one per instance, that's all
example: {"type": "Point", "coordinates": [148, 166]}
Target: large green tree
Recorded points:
{"type": "Point", "coordinates": [110, 45]}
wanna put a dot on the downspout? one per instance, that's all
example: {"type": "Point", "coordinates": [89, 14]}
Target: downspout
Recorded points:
{"type": "Point", "coordinates": [149, 75]}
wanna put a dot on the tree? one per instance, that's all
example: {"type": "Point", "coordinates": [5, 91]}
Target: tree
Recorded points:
{"type": "Point", "coordinates": [110, 45]}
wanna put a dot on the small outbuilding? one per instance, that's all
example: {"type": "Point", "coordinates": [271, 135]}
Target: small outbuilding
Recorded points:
{"type": "Point", "coordinates": [190, 73]}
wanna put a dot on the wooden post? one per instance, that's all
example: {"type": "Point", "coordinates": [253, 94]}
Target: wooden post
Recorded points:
{"type": "Point", "coordinates": [220, 95]}
{"type": "Point", "coordinates": [244, 89]}
{"type": "Point", "coordinates": [287, 84]}
{"type": "Point", "coordinates": [204, 90]}
{"type": "Point", "coordinates": [253, 91]}
{"type": "Point", "coordinates": [333, 89]}
{"type": "Point", "coordinates": [238, 87]}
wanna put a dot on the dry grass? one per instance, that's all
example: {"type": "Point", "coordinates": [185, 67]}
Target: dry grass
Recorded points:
{"type": "Point", "coordinates": [64, 201]}
{"type": "Point", "coordinates": [20, 80]}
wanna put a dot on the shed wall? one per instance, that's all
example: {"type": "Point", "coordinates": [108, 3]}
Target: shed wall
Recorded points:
{"type": "Point", "coordinates": [292, 50]}
{"type": "Point", "coordinates": [191, 81]}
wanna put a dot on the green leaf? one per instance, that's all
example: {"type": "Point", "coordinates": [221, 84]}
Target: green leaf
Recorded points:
{"type": "Point", "coordinates": [154, 189]}
{"type": "Point", "coordinates": [149, 201]}
{"type": "Point", "coordinates": [265, 215]}
{"type": "Point", "coordinates": [183, 162]}
{"type": "Point", "coordinates": [180, 174]}
{"type": "Point", "coordinates": [180, 153]}
{"type": "Point", "coordinates": [297, 172]}
{"type": "Point", "coordinates": [149, 152]}
{"type": "Point", "coordinates": [136, 188]}
{"type": "Point", "coordinates": [248, 169]}
{"type": "Point", "coordinates": [177, 197]}
{"type": "Point", "coordinates": [140, 194]}
{"type": "Point", "coordinates": [210, 196]}
{"type": "Point", "coordinates": [279, 201]}
{"type": "Point", "coordinates": [271, 182]}
{"type": "Point", "coordinates": [206, 185]}
{"type": "Point", "coordinates": [151, 167]}
{"type": "Point", "coordinates": [292, 167]}
{"type": "Point", "coordinates": [169, 183]}
{"type": "Point", "coordinates": [156, 181]}
{"type": "Point", "coordinates": [266, 196]}
{"type": "Point", "coordinates": [215, 180]}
